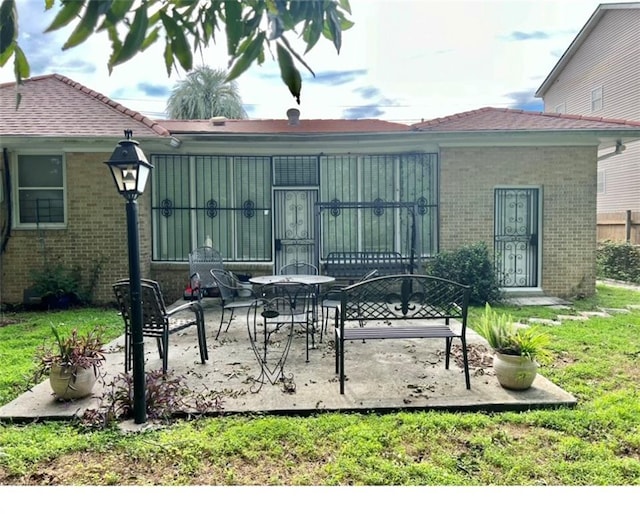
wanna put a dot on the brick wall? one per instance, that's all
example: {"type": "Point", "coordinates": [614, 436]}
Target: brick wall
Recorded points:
{"type": "Point", "coordinates": [568, 179]}
{"type": "Point", "coordinates": [96, 234]}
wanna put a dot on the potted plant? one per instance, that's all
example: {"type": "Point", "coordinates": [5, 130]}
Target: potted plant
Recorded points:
{"type": "Point", "coordinates": [518, 351]}
{"type": "Point", "coordinates": [71, 363]}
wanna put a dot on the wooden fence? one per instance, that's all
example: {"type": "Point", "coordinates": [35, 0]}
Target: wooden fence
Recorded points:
{"type": "Point", "coordinates": [619, 226]}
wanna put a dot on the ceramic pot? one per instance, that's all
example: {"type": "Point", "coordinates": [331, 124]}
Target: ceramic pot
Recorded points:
{"type": "Point", "coordinates": [514, 371]}
{"type": "Point", "coordinates": [69, 383]}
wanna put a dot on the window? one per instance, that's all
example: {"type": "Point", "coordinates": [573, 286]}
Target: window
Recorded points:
{"type": "Point", "coordinates": [40, 188]}
{"type": "Point", "coordinates": [596, 99]}
{"type": "Point", "coordinates": [228, 200]}
{"type": "Point", "coordinates": [350, 181]}
{"type": "Point", "coordinates": [206, 197]}
{"type": "Point", "coordinates": [561, 108]}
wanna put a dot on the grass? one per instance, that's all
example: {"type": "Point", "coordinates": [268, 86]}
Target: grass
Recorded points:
{"type": "Point", "coordinates": [596, 443]}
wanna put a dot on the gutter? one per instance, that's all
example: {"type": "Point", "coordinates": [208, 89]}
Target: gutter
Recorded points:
{"type": "Point", "coordinates": [619, 149]}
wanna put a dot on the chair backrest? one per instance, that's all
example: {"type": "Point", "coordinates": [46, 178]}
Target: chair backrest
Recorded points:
{"type": "Point", "coordinates": [298, 268]}
{"type": "Point", "coordinates": [226, 282]}
{"type": "Point", "coordinates": [154, 310]}
{"type": "Point", "coordinates": [203, 259]}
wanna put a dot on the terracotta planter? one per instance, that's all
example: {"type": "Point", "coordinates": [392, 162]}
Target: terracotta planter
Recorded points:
{"type": "Point", "coordinates": [514, 371]}
{"type": "Point", "coordinates": [71, 383]}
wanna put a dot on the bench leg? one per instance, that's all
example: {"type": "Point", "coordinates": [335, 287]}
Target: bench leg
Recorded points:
{"type": "Point", "coordinates": [465, 362]}
{"type": "Point", "coordinates": [341, 350]}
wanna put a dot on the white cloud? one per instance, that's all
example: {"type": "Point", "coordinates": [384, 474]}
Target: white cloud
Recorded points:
{"type": "Point", "coordinates": [411, 59]}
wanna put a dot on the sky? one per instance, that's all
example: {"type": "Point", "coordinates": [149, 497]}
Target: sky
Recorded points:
{"type": "Point", "coordinates": [402, 61]}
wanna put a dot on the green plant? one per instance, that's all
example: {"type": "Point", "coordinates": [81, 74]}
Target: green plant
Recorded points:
{"type": "Point", "coordinates": [56, 281]}
{"type": "Point", "coordinates": [505, 337]}
{"type": "Point", "coordinates": [618, 261]}
{"type": "Point", "coordinates": [73, 351]}
{"type": "Point", "coordinates": [470, 265]}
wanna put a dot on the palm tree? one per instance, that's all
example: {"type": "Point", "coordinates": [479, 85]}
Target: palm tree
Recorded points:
{"type": "Point", "coordinates": [204, 94]}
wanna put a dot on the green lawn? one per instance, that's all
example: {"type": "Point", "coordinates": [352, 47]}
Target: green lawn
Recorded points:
{"type": "Point", "coordinates": [596, 443]}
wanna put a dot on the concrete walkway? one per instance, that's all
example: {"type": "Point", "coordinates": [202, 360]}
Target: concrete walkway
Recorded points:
{"type": "Point", "coordinates": [381, 376]}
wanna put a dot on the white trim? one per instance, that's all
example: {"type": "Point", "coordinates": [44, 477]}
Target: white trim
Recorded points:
{"type": "Point", "coordinates": [15, 214]}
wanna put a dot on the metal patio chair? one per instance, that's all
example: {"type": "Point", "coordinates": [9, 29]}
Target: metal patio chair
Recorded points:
{"type": "Point", "coordinates": [298, 268]}
{"type": "Point", "coordinates": [158, 321]}
{"type": "Point", "coordinates": [201, 261]}
{"type": "Point", "coordinates": [285, 305]}
{"type": "Point", "coordinates": [233, 295]}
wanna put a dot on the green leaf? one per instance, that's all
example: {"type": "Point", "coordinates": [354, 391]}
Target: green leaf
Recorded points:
{"type": "Point", "coordinates": [250, 54]}
{"type": "Point", "coordinates": [312, 34]}
{"type": "Point", "coordinates": [66, 14]}
{"type": "Point", "coordinates": [4, 56]}
{"type": "Point", "coordinates": [134, 39]}
{"type": "Point", "coordinates": [117, 12]}
{"type": "Point", "coordinates": [289, 73]}
{"type": "Point", "coordinates": [85, 28]}
{"type": "Point", "coordinates": [168, 57]}
{"type": "Point", "coordinates": [234, 25]}
{"type": "Point", "coordinates": [8, 29]}
{"type": "Point", "coordinates": [178, 42]}
{"type": "Point", "coordinates": [150, 39]}
{"type": "Point", "coordinates": [20, 63]}
{"type": "Point", "coordinates": [181, 50]}
{"type": "Point", "coordinates": [333, 24]}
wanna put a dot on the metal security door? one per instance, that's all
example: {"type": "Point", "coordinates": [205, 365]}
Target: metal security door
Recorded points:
{"type": "Point", "coordinates": [294, 227]}
{"type": "Point", "coordinates": [516, 236]}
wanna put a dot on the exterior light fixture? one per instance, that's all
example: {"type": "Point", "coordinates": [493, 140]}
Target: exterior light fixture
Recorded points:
{"type": "Point", "coordinates": [130, 170]}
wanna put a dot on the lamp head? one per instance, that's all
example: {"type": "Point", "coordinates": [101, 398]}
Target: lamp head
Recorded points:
{"type": "Point", "coordinates": [129, 167]}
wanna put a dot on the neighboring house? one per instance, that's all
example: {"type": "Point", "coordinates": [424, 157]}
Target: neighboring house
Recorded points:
{"type": "Point", "coordinates": [599, 75]}
{"type": "Point", "coordinates": [268, 191]}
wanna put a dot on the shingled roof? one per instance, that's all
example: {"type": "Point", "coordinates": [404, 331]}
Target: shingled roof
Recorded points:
{"type": "Point", "coordinates": [316, 126]}
{"type": "Point", "coordinates": [54, 105]}
{"type": "Point", "coordinates": [496, 119]}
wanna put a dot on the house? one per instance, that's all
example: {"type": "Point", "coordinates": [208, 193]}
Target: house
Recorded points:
{"type": "Point", "coordinates": [599, 75]}
{"type": "Point", "coordinates": [268, 191]}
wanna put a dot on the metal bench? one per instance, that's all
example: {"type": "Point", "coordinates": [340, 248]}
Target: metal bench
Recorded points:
{"type": "Point", "coordinates": [351, 266]}
{"type": "Point", "coordinates": [411, 307]}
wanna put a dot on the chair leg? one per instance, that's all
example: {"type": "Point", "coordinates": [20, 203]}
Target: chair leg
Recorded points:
{"type": "Point", "coordinates": [128, 354]}
{"type": "Point", "coordinates": [230, 320]}
{"type": "Point", "coordinates": [221, 322]}
{"type": "Point", "coordinates": [202, 340]}
{"type": "Point", "coordinates": [165, 353]}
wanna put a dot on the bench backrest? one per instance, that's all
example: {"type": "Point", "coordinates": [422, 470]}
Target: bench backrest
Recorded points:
{"type": "Point", "coordinates": [356, 264]}
{"type": "Point", "coordinates": [404, 297]}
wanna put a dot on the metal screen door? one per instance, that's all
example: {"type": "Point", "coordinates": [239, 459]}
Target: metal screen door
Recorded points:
{"type": "Point", "coordinates": [516, 235]}
{"type": "Point", "coordinates": [294, 227]}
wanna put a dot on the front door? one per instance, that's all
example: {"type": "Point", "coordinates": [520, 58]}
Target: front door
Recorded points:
{"type": "Point", "coordinates": [294, 226]}
{"type": "Point", "coordinates": [516, 236]}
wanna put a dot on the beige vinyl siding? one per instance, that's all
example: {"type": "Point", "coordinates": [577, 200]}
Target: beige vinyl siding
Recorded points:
{"type": "Point", "coordinates": [609, 57]}
{"type": "Point", "coordinates": [622, 181]}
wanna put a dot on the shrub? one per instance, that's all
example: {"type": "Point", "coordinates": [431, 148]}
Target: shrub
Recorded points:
{"type": "Point", "coordinates": [470, 265]}
{"type": "Point", "coordinates": [618, 261]}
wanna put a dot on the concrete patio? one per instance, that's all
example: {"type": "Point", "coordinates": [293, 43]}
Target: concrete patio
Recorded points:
{"type": "Point", "coordinates": [381, 376]}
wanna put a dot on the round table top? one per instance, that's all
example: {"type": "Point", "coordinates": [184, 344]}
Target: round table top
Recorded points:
{"type": "Point", "coordinates": [301, 279]}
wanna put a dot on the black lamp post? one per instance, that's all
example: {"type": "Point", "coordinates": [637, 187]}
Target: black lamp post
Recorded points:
{"type": "Point", "coordinates": [130, 170]}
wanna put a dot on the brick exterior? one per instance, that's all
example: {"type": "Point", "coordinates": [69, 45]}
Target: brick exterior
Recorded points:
{"type": "Point", "coordinates": [96, 233]}
{"type": "Point", "coordinates": [95, 237]}
{"type": "Point", "coordinates": [567, 176]}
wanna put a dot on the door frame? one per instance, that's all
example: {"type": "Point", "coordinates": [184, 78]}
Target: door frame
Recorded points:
{"type": "Point", "coordinates": [538, 271]}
